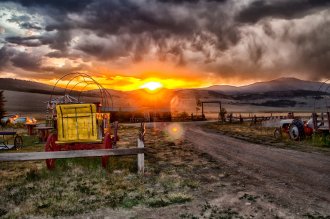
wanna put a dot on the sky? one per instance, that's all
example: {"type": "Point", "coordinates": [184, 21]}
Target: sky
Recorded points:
{"type": "Point", "coordinates": [125, 44]}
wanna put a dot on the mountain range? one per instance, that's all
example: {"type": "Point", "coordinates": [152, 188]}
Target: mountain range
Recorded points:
{"type": "Point", "coordinates": [280, 94]}
{"type": "Point", "coordinates": [280, 84]}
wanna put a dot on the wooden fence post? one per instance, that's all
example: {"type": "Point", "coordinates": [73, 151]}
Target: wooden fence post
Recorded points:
{"type": "Point", "coordinates": [140, 157]}
{"type": "Point", "coordinates": [314, 116]}
{"type": "Point", "coordinates": [140, 142]}
{"type": "Point", "coordinates": [328, 114]}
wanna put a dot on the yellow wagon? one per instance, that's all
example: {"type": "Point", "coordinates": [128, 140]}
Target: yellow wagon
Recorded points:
{"type": "Point", "coordinates": [78, 125]}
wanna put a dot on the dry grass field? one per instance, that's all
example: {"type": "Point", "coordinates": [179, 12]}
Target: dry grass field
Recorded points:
{"type": "Point", "coordinates": [265, 136]}
{"type": "Point", "coordinates": [179, 182]}
{"type": "Point", "coordinates": [81, 185]}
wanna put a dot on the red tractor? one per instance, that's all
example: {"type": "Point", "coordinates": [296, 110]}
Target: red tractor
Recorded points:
{"type": "Point", "coordinates": [296, 128]}
{"type": "Point", "coordinates": [319, 123]}
{"type": "Point", "coordinates": [299, 129]}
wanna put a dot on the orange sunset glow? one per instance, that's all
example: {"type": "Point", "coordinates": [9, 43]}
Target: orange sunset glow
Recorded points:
{"type": "Point", "coordinates": [130, 83]}
{"type": "Point", "coordinates": [152, 85]}
{"type": "Point", "coordinates": [147, 74]}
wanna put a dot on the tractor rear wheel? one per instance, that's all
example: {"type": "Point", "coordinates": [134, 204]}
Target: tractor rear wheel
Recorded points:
{"type": "Point", "coordinates": [51, 146]}
{"type": "Point", "coordinates": [296, 130]}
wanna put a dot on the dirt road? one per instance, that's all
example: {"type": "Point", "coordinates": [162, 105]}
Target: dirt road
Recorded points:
{"type": "Point", "coordinates": [297, 180]}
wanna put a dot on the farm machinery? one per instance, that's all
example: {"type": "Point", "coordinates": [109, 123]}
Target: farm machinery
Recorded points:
{"type": "Point", "coordinates": [318, 123]}
{"type": "Point", "coordinates": [78, 124]}
{"type": "Point", "coordinates": [296, 128]}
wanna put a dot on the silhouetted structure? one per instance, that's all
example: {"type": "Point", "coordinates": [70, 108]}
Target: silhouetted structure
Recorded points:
{"type": "Point", "coordinates": [204, 102]}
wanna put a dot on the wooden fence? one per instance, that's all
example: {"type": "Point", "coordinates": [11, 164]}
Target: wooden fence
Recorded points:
{"type": "Point", "coordinates": [79, 153]}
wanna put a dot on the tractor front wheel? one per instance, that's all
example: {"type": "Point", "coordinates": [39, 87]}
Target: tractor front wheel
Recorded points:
{"type": "Point", "coordinates": [51, 146]}
{"type": "Point", "coordinates": [296, 130]}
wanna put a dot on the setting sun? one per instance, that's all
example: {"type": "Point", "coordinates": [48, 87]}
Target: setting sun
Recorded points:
{"type": "Point", "coordinates": [152, 85]}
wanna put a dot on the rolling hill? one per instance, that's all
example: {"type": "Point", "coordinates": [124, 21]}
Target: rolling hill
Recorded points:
{"type": "Point", "coordinates": [24, 86]}
{"type": "Point", "coordinates": [280, 94]}
{"type": "Point", "coordinates": [280, 84]}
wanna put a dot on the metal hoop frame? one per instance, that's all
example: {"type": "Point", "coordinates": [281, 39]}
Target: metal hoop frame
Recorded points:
{"type": "Point", "coordinates": [105, 97]}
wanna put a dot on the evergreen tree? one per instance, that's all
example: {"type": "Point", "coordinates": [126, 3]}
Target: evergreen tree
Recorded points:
{"type": "Point", "coordinates": [2, 104]}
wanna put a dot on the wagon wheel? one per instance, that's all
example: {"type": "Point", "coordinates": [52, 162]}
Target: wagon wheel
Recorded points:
{"type": "Point", "coordinates": [18, 142]}
{"type": "Point", "coordinates": [106, 145]}
{"type": "Point", "coordinates": [51, 146]}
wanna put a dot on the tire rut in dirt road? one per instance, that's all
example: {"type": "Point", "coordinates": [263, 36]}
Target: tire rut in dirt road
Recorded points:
{"type": "Point", "coordinates": [290, 175]}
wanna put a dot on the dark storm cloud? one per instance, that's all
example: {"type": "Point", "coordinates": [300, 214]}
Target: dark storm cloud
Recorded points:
{"type": "Point", "coordinates": [155, 22]}
{"type": "Point", "coordinates": [267, 54]}
{"type": "Point", "coordinates": [57, 54]}
{"type": "Point", "coordinates": [26, 61]}
{"type": "Point", "coordinates": [59, 41]}
{"type": "Point", "coordinates": [57, 10]}
{"type": "Point", "coordinates": [32, 64]}
{"type": "Point", "coordinates": [279, 9]}
{"type": "Point", "coordinates": [150, 20]}
{"type": "Point", "coordinates": [18, 19]}
{"type": "Point", "coordinates": [5, 55]}
{"type": "Point", "coordinates": [234, 40]}
{"type": "Point", "coordinates": [24, 22]}
{"type": "Point", "coordinates": [12, 57]}
{"type": "Point", "coordinates": [188, 1]}
{"type": "Point", "coordinates": [31, 41]}
{"type": "Point", "coordinates": [66, 5]}
{"type": "Point", "coordinates": [178, 1]}
{"type": "Point", "coordinates": [314, 51]}
{"type": "Point", "coordinates": [102, 51]}
{"type": "Point", "coordinates": [64, 70]}
{"type": "Point", "coordinates": [27, 25]}
{"type": "Point", "coordinates": [116, 17]}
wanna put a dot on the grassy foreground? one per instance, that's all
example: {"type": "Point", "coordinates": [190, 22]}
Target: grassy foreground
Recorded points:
{"type": "Point", "coordinates": [81, 185]}
{"type": "Point", "coordinates": [179, 182]}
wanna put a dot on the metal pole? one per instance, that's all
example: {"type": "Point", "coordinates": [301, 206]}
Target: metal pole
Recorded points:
{"type": "Point", "coordinates": [202, 109]}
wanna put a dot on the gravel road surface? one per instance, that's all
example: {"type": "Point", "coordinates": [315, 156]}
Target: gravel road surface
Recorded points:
{"type": "Point", "coordinates": [296, 179]}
